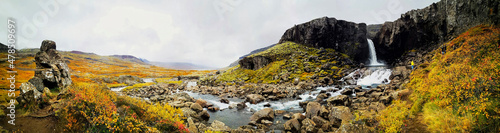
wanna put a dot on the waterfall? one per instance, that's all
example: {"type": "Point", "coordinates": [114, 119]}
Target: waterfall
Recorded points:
{"type": "Point", "coordinates": [373, 55]}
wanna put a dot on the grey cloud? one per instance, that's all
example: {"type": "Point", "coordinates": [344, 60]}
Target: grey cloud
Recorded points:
{"type": "Point", "coordinates": [189, 30]}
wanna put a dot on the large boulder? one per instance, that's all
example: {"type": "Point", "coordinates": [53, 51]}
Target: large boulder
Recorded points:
{"type": "Point", "coordinates": [432, 25]}
{"type": "Point", "coordinates": [292, 125]}
{"type": "Point", "coordinates": [264, 114]}
{"type": "Point", "coordinates": [340, 100]}
{"type": "Point", "coordinates": [28, 93]}
{"type": "Point", "coordinates": [254, 98]}
{"type": "Point", "coordinates": [51, 67]}
{"type": "Point", "coordinates": [340, 113]}
{"type": "Point", "coordinates": [313, 109]}
{"type": "Point", "coordinates": [219, 127]}
{"type": "Point", "coordinates": [343, 36]}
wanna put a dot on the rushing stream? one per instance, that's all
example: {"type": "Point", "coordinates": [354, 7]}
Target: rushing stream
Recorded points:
{"type": "Point", "coordinates": [375, 74]}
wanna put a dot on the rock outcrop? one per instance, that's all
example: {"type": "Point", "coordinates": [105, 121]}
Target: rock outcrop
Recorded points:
{"type": "Point", "coordinates": [343, 36]}
{"type": "Point", "coordinates": [51, 72]}
{"type": "Point", "coordinates": [255, 62]}
{"type": "Point", "coordinates": [432, 25]}
{"type": "Point", "coordinates": [51, 67]}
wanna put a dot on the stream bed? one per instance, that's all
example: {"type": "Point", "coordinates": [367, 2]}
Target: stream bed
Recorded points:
{"type": "Point", "coordinates": [235, 118]}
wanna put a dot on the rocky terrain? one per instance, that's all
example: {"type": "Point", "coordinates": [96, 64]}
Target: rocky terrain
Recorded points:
{"type": "Point", "coordinates": [312, 75]}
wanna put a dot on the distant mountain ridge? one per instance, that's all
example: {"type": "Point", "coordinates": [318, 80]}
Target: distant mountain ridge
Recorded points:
{"type": "Point", "coordinates": [181, 65]}
{"type": "Point", "coordinates": [131, 58]}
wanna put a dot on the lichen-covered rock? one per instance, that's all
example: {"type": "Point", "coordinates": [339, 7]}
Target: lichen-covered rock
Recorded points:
{"type": "Point", "coordinates": [51, 67]}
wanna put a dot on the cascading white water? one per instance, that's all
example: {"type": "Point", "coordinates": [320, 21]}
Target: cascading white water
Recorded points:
{"type": "Point", "coordinates": [373, 55]}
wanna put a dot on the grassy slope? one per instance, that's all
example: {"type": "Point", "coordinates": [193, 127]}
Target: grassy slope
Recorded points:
{"type": "Point", "coordinates": [291, 59]}
{"type": "Point", "coordinates": [457, 91]}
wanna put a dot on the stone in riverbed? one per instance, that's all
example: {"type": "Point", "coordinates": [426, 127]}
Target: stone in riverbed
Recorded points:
{"type": "Point", "coordinates": [308, 125]}
{"type": "Point", "coordinates": [347, 91]}
{"type": "Point", "coordinates": [339, 115]}
{"type": "Point", "coordinates": [241, 106]}
{"type": "Point", "coordinates": [196, 107]}
{"type": "Point", "coordinates": [321, 123]}
{"type": "Point", "coordinates": [313, 109]}
{"type": "Point", "coordinates": [292, 125]}
{"type": "Point", "coordinates": [264, 114]}
{"type": "Point", "coordinates": [204, 115]}
{"type": "Point", "coordinates": [341, 100]}
{"type": "Point", "coordinates": [298, 116]}
{"type": "Point", "coordinates": [224, 100]}
{"type": "Point", "coordinates": [203, 103]}
{"type": "Point", "coordinates": [219, 127]}
{"type": "Point", "coordinates": [213, 109]}
{"type": "Point", "coordinates": [254, 98]}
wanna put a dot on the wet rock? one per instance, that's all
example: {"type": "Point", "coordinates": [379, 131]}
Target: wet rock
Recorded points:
{"type": "Point", "coordinates": [224, 100]}
{"type": "Point", "coordinates": [292, 125]}
{"type": "Point", "coordinates": [347, 91]}
{"type": "Point", "coordinates": [340, 100]}
{"type": "Point", "coordinates": [313, 109]}
{"type": "Point", "coordinates": [241, 106]}
{"type": "Point", "coordinates": [213, 109]}
{"type": "Point", "coordinates": [202, 103]}
{"type": "Point", "coordinates": [287, 116]}
{"type": "Point", "coordinates": [298, 116]}
{"type": "Point", "coordinates": [254, 98]}
{"type": "Point", "coordinates": [267, 105]}
{"type": "Point", "coordinates": [279, 112]}
{"type": "Point", "coordinates": [264, 114]}
{"type": "Point", "coordinates": [204, 115]}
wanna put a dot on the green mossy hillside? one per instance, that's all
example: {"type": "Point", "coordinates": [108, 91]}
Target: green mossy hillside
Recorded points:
{"type": "Point", "coordinates": [292, 61]}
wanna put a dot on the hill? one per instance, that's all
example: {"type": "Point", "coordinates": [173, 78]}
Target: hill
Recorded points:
{"type": "Point", "coordinates": [285, 62]}
{"type": "Point", "coordinates": [455, 91]}
{"type": "Point", "coordinates": [180, 65]}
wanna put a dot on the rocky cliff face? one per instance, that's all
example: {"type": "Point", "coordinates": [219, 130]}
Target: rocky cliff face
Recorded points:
{"type": "Point", "coordinates": [343, 36]}
{"type": "Point", "coordinates": [432, 25]}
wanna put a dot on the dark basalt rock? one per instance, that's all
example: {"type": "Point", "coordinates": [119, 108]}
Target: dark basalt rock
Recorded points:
{"type": "Point", "coordinates": [437, 23]}
{"type": "Point", "coordinates": [255, 62]}
{"type": "Point", "coordinates": [346, 37]}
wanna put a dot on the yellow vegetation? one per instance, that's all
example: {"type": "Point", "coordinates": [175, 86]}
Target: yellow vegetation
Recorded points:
{"type": "Point", "coordinates": [457, 91]}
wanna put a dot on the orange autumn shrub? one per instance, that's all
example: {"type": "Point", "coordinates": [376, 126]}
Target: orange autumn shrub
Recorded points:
{"type": "Point", "coordinates": [92, 108]}
{"type": "Point", "coordinates": [89, 107]}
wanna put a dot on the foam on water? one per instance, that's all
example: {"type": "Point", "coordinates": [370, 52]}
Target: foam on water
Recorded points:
{"type": "Point", "coordinates": [377, 77]}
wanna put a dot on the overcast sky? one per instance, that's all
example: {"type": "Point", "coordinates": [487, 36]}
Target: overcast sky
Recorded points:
{"type": "Point", "coordinates": [209, 32]}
